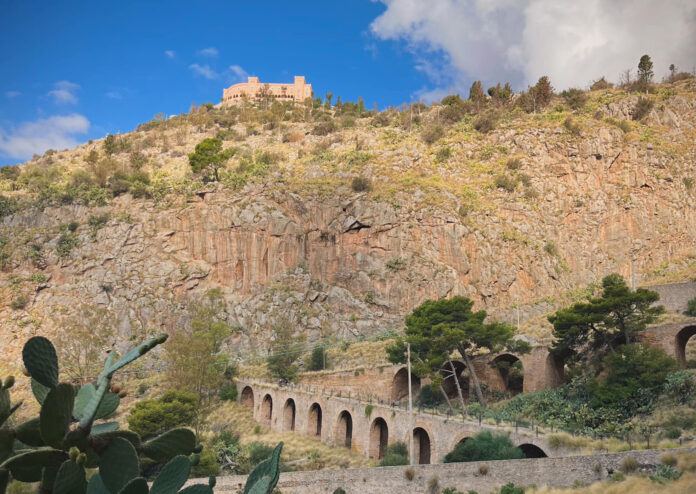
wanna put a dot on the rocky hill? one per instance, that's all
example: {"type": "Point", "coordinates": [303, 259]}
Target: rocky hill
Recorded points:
{"type": "Point", "coordinates": [345, 220]}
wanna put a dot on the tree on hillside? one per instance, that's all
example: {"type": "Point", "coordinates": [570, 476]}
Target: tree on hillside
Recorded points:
{"type": "Point", "coordinates": [209, 155]}
{"type": "Point", "coordinates": [586, 331]}
{"type": "Point", "coordinates": [192, 354]}
{"type": "Point", "coordinates": [110, 145]}
{"type": "Point", "coordinates": [84, 340]}
{"type": "Point", "coordinates": [477, 96]}
{"type": "Point", "coordinates": [500, 95]}
{"type": "Point", "coordinates": [284, 351]}
{"type": "Point", "coordinates": [645, 72]}
{"type": "Point", "coordinates": [437, 329]}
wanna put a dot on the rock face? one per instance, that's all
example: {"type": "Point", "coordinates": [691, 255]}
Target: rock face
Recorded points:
{"type": "Point", "coordinates": [353, 264]}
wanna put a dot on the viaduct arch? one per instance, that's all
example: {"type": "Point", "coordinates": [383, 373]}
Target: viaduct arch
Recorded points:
{"type": "Point", "coordinates": [348, 422]}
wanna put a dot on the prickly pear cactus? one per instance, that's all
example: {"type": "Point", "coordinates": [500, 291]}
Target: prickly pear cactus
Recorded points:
{"type": "Point", "coordinates": [64, 439]}
{"type": "Point", "coordinates": [264, 477]}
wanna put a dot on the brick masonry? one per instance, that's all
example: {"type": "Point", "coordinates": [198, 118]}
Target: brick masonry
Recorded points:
{"type": "Point", "coordinates": [553, 472]}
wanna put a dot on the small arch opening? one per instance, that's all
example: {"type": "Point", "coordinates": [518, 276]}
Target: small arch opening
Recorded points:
{"type": "Point", "coordinates": [511, 372]}
{"type": "Point", "coordinates": [247, 397]}
{"type": "Point", "coordinates": [379, 438]}
{"type": "Point", "coordinates": [532, 451]}
{"type": "Point", "coordinates": [344, 429]}
{"type": "Point", "coordinates": [314, 420]}
{"type": "Point", "coordinates": [267, 409]}
{"type": "Point", "coordinates": [448, 383]}
{"type": "Point", "coordinates": [400, 385]}
{"type": "Point", "coordinates": [685, 348]}
{"type": "Point", "coordinates": [289, 415]}
{"type": "Point", "coordinates": [421, 446]}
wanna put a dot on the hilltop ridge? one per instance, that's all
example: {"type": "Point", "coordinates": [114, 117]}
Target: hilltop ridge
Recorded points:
{"type": "Point", "coordinates": [345, 219]}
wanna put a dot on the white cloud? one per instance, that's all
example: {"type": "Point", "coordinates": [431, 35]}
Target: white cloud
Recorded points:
{"type": "Point", "coordinates": [457, 41]}
{"type": "Point", "coordinates": [56, 132]}
{"type": "Point", "coordinates": [203, 71]}
{"type": "Point", "coordinates": [113, 95]}
{"type": "Point", "coordinates": [64, 92]}
{"type": "Point", "coordinates": [238, 73]}
{"type": "Point", "coordinates": [210, 52]}
{"type": "Point", "coordinates": [170, 53]}
{"type": "Point", "coordinates": [12, 94]}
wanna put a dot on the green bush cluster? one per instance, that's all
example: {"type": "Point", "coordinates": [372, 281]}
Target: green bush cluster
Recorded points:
{"type": "Point", "coordinates": [174, 408]}
{"type": "Point", "coordinates": [484, 446]}
{"type": "Point", "coordinates": [395, 454]}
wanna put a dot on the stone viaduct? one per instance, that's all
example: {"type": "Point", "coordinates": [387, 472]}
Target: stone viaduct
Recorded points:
{"type": "Point", "coordinates": [363, 410]}
{"type": "Point", "coordinates": [367, 428]}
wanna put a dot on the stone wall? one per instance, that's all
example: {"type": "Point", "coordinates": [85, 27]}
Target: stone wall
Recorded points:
{"type": "Point", "coordinates": [675, 296]}
{"type": "Point", "coordinates": [555, 472]}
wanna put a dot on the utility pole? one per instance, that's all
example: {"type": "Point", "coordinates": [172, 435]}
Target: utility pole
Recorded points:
{"type": "Point", "coordinates": [410, 405]}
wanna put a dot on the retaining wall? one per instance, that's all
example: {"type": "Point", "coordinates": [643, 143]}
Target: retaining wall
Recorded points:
{"type": "Point", "coordinates": [554, 472]}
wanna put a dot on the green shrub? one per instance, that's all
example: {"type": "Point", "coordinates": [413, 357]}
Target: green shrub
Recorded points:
{"type": "Point", "coordinates": [635, 373]}
{"type": "Point", "coordinates": [572, 126]}
{"type": "Point", "coordinates": [395, 454]}
{"type": "Point", "coordinates": [600, 84]}
{"type": "Point", "coordinates": [258, 452]}
{"type": "Point", "coordinates": [514, 164]}
{"type": "Point", "coordinates": [506, 182]}
{"type": "Point", "coordinates": [66, 243]}
{"type": "Point", "coordinates": [665, 473]}
{"type": "Point", "coordinates": [550, 248]}
{"type": "Point", "coordinates": [119, 183]}
{"type": "Point", "coordinates": [673, 432]}
{"type": "Point", "coordinates": [174, 408]}
{"type": "Point", "coordinates": [575, 98]}
{"type": "Point", "coordinates": [316, 360]}
{"type": "Point", "coordinates": [485, 123]}
{"type": "Point", "coordinates": [339, 491]}
{"type": "Point", "coordinates": [228, 392]}
{"type": "Point", "coordinates": [443, 154]}
{"type": "Point", "coordinates": [361, 184]}
{"type": "Point", "coordinates": [680, 385]}
{"type": "Point", "coordinates": [96, 222]}
{"type": "Point", "coordinates": [484, 446]}
{"type": "Point", "coordinates": [432, 133]}
{"type": "Point", "coordinates": [8, 206]}
{"type": "Point", "coordinates": [324, 128]}
{"type": "Point", "coordinates": [618, 477]}
{"type": "Point", "coordinates": [207, 465]}
{"type": "Point", "coordinates": [691, 308]}
{"type": "Point", "coordinates": [642, 108]}
{"type": "Point", "coordinates": [368, 410]}
{"type": "Point", "coordinates": [511, 489]}
{"type": "Point", "coordinates": [20, 302]}
{"type": "Point", "coordinates": [428, 397]}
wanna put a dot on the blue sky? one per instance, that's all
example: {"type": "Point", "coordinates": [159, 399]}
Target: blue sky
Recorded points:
{"type": "Point", "coordinates": [74, 70]}
{"type": "Point", "coordinates": [117, 64]}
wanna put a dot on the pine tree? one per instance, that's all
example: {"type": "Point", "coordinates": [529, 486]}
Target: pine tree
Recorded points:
{"type": "Point", "coordinates": [645, 72]}
{"type": "Point", "coordinates": [477, 96]}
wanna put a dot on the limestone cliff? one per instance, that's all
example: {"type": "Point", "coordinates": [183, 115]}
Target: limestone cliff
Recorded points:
{"type": "Point", "coordinates": [520, 215]}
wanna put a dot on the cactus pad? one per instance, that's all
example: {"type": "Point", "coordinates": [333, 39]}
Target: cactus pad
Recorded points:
{"type": "Point", "coordinates": [39, 390]}
{"type": "Point", "coordinates": [41, 361]}
{"type": "Point", "coordinates": [70, 479]}
{"type": "Point", "coordinates": [5, 406]}
{"type": "Point", "coordinates": [29, 433]}
{"type": "Point", "coordinates": [108, 405]}
{"type": "Point", "coordinates": [135, 486]}
{"type": "Point", "coordinates": [96, 485]}
{"type": "Point", "coordinates": [6, 443]}
{"type": "Point", "coordinates": [119, 464]}
{"type": "Point", "coordinates": [27, 467]}
{"type": "Point", "coordinates": [136, 352]}
{"type": "Point", "coordinates": [172, 477]}
{"type": "Point", "coordinates": [56, 414]}
{"type": "Point", "coordinates": [104, 428]}
{"type": "Point", "coordinates": [264, 477]}
{"type": "Point", "coordinates": [174, 442]}
{"type": "Point", "coordinates": [197, 489]}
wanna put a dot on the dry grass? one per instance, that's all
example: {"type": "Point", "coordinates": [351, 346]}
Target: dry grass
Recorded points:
{"type": "Point", "coordinates": [239, 418]}
{"type": "Point", "coordinates": [632, 485]}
